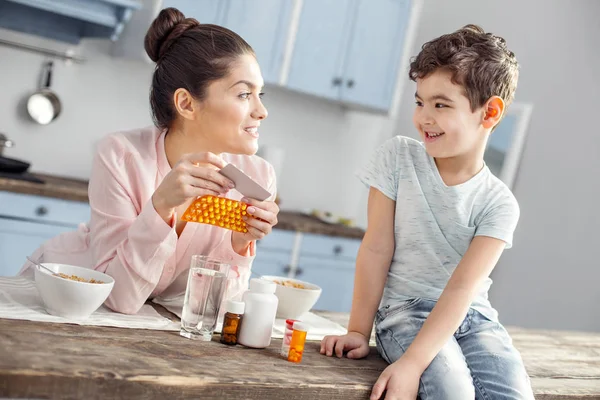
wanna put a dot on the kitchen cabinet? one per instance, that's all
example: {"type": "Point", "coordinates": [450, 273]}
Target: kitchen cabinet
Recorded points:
{"type": "Point", "coordinates": [19, 239]}
{"type": "Point", "coordinates": [274, 254]}
{"type": "Point", "coordinates": [329, 262]}
{"type": "Point", "coordinates": [317, 58]}
{"type": "Point", "coordinates": [272, 263]}
{"type": "Point", "coordinates": [68, 21]}
{"type": "Point", "coordinates": [326, 261]}
{"type": "Point", "coordinates": [205, 11]}
{"type": "Point", "coordinates": [264, 25]}
{"type": "Point", "coordinates": [350, 50]}
{"type": "Point", "coordinates": [334, 276]}
{"type": "Point", "coordinates": [26, 221]}
{"type": "Point", "coordinates": [374, 53]}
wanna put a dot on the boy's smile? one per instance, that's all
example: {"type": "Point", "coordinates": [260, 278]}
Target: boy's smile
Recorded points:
{"type": "Point", "coordinates": [432, 136]}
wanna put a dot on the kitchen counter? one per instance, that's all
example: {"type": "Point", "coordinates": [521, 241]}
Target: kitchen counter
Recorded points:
{"type": "Point", "coordinates": [76, 190]}
{"type": "Point", "coordinates": [43, 360]}
{"type": "Point", "coordinates": [56, 187]}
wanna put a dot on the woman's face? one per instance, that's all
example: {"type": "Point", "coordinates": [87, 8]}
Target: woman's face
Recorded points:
{"type": "Point", "coordinates": [231, 112]}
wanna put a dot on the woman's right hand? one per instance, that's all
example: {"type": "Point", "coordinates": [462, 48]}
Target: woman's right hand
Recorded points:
{"type": "Point", "coordinates": [194, 175]}
{"type": "Point", "coordinates": [354, 343]}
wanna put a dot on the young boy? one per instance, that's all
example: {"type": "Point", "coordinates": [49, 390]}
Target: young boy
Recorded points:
{"type": "Point", "coordinates": [438, 221]}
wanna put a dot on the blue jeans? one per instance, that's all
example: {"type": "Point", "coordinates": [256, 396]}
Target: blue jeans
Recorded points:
{"type": "Point", "coordinates": [478, 362]}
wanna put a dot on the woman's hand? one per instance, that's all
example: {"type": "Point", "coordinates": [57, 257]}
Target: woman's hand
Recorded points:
{"type": "Point", "coordinates": [259, 227]}
{"type": "Point", "coordinates": [194, 175]}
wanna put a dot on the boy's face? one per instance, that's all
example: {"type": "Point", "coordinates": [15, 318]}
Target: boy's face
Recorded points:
{"type": "Point", "coordinates": [444, 118]}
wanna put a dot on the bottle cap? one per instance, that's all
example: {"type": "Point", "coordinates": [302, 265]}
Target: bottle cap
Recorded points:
{"type": "Point", "coordinates": [300, 326]}
{"type": "Point", "coordinates": [289, 323]}
{"type": "Point", "coordinates": [259, 285]}
{"type": "Point", "coordinates": [235, 307]}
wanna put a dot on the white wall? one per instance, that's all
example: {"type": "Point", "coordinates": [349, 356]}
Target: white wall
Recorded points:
{"type": "Point", "coordinates": [550, 278]}
{"type": "Point", "coordinates": [106, 94]}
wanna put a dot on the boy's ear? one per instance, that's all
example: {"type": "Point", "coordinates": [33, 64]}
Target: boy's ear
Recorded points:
{"type": "Point", "coordinates": [184, 103]}
{"type": "Point", "coordinates": [493, 112]}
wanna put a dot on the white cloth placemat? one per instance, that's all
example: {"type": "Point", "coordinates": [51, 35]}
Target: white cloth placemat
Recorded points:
{"type": "Point", "coordinates": [319, 327]}
{"type": "Point", "coordinates": [19, 299]}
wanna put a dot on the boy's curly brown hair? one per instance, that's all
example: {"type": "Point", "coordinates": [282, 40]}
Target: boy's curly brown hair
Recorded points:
{"type": "Point", "coordinates": [480, 62]}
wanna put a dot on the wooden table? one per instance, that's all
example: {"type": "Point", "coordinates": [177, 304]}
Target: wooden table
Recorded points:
{"type": "Point", "coordinates": [42, 360]}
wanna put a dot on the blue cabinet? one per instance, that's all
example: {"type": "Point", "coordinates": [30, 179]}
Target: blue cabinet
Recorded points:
{"type": "Point", "coordinates": [350, 50]}
{"type": "Point", "coordinates": [205, 11]}
{"type": "Point", "coordinates": [326, 261]}
{"type": "Point", "coordinates": [68, 20]}
{"type": "Point", "coordinates": [263, 24]}
{"type": "Point", "coordinates": [317, 58]}
{"type": "Point", "coordinates": [329, 262]}
{"type": "Point", "coordinates": [274, 253]}
{"type": "Point", "coordinates": [27, 221]}
{"type": "Point", "coordinates": [271, 263]}
{"type": "Point", "coordinates": [335, 277]}
{"type": "Point", "coordinates": [375, 53]}
{"type": "Point", "coordinates": [19, 239]}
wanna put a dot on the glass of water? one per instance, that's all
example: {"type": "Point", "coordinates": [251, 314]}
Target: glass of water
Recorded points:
{"type": "Point", "coordinates": [206, 285]}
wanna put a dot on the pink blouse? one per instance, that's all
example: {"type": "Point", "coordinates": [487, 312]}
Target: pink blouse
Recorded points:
{"type": "Point", "coordinates": [128, 240]}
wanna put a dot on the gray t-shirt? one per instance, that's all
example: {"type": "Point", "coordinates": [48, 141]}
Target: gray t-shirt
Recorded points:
{"type": "Point", "coordinates": [435, 223]}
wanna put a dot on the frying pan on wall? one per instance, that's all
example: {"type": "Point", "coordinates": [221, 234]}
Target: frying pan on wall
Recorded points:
{"type": "Point", "coordinates": [44, 105]}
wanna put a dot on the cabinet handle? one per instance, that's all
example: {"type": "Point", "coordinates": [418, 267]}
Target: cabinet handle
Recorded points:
{"type": "Point", "coordinates": [299, 271]}
{"type": "Point", "coordinates": [336, 81]}
{"type": "Point", "coordinates": [41, 211]}
{"type": "Point", "coordinates": [337, 250]}
{"type": "Point", "coordinates": [287, 269]}
{"type": "Point", "coordinates": [350, 83]}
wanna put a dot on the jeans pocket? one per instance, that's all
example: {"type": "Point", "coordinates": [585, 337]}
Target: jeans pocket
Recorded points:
{"type": "Point", "coordinates": [394, 309]}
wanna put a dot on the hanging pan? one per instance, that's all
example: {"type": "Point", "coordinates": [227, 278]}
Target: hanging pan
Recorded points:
{"type": "Point", "coordinates": [44, 105]}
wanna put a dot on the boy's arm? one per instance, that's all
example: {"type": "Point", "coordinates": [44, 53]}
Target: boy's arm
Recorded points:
{"type": "Point", "coordinates": [453, 304]}
{"type": "Point", "coordinates": [373, 262]}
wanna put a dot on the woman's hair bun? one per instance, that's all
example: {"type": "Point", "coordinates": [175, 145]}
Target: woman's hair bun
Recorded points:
{"type": "Point", "coordinates": [165, 29]}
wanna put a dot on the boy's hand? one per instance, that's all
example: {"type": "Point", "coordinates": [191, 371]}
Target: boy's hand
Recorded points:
{"type": "Point", "coordinates": [356, 344]}
{"type": "Point", "coordinates": [401, 379]}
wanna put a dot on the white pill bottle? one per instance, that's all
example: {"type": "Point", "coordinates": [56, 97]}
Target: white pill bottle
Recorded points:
{"type": "Point", "coordinates": [259, 317]}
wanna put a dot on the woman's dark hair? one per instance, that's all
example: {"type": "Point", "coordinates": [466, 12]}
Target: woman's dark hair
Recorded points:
{"type": "Point", "coordinates": [188, 55]}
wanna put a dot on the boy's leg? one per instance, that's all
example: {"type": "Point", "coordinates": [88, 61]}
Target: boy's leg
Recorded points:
{"type": "Point", "coordinates": [448, 376]}
{"type": "Point", "coordinates": [496, 366]}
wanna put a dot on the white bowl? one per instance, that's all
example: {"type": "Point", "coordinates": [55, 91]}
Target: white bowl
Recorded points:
{"type": "Point", "coordinates": [293, 302]}
{"type": "Point", "coordinates": [68, 298]}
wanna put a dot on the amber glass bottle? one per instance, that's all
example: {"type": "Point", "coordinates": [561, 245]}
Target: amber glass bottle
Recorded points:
{"type": "Point", "coordinates": [231, 323]}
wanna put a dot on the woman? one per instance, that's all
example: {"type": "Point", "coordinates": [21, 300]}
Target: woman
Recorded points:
{"type": "Point", "coordinates": [206, 105]}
